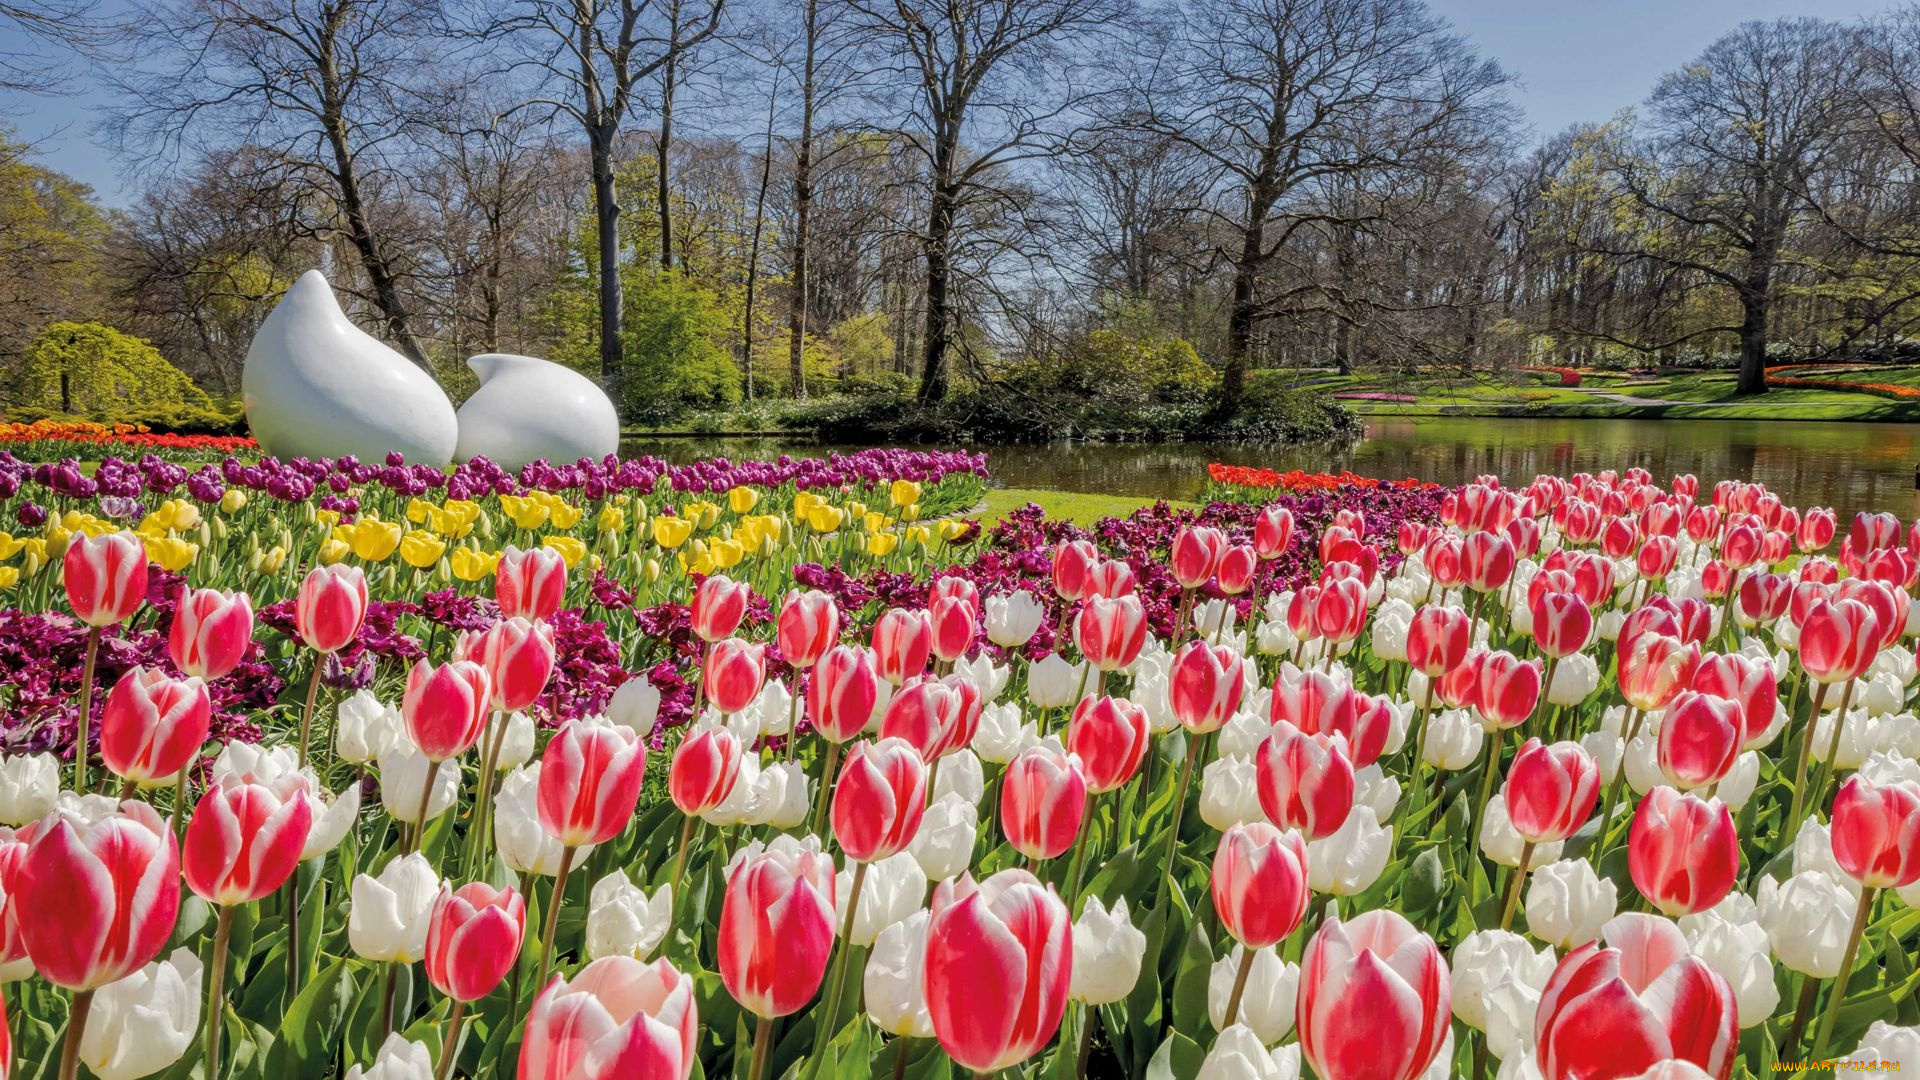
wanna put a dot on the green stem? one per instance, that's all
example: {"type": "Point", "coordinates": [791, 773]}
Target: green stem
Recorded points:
{"type": "Point", "coordinates": [86, 716]}
{"type": "Point", "coordinates": [680, 856]}
{"type": "Point", "coordinates": [451, 1049]}
{"type": "Point", "coordinates": [1839, 993]}
{"type": "Point", "coordinates": [1179, 809]}
{"type": "Point", "coordinates": [1239, 983]}
{"type": "Point", "coordinates": [1800, 769]}
{"type": "Point", "coordinates": [306, 714]}
{"type": "Point", "coordinates": [824, 1030]}
{"type": "Point", "coordinates": [553, 915]}
{"type": "Point", "coordinates": [76, 1028]}
{"type": "Point", "coordinates": [826, 787]}
{"type": "Point", "coordinates": [1826, 770]}
{"type": "Point", "coordinates": [762, 1044]}
{"type": "Point", "coordinates": [216, 975]}
{"type": "Point", "coordinates": [1486, 784]}
{"type": "Point", "coordinates": [386, 1001]}
{"type": "Point", "coordinates": [1513, 886]}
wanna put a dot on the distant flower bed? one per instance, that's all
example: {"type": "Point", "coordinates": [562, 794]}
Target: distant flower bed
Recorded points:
{"type": "Point", "coordinates": [1878, 389]}
{"type": "Point", "coordinates": [50, 438]}
{"type": "Point", "coordinates": [1567, 375]}
{"type": "Point", "coordinates": [1372, 395]}
{"type": "Point", "coordinates": [1301, 480]}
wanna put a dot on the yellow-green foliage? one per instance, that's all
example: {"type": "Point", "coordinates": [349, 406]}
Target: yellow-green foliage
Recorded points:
{"type": "Point", "coordinates": [89, 369]}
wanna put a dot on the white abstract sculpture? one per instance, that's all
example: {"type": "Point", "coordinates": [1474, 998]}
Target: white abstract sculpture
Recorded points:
{"type": "Point", "coordinates": [527, 409]}
{"type": "Point", "coordinates": [316, 385]}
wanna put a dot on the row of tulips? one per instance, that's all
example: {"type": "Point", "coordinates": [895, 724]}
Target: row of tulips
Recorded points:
{"type": "Point", "coordinates": [1256, 813]}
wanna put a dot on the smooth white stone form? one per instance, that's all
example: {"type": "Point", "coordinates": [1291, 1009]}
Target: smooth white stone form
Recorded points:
{"type": "Point", "coordinates": [316, 385]}
{"type": "Point", "coordinates": [527, 409]}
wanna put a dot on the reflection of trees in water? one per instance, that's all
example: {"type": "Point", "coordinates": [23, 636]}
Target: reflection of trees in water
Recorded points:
{"type": "Point", "coordinates": [1850, 467]}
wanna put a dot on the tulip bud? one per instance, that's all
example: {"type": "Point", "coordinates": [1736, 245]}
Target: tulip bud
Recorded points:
{"type": "Point", "coordinates": [590, 777]}
{"type": "Point", "coordinates": [1205, 685]}
{"type": "Point", "coordinates": [879, 799]}
{"type": "Point", "coordinates": [331, 605]}
{"type": "Point", "coordinates": [1111, 631]}
{"type": "Point", "coordinates": [1043, 797]}
{"type": "Point", "coordinates": [705, 767]}
{"type": "Point", "coordinates": [999, 963]}
{"type": "Point", "coordinates": [902, 644]}
{"type": "Point", "coordinates": [734, 671]}
{"type": "Point", "coordinates": [211, 632]}
{"type": "Point", "coordinates": [1876, 832]}
{"type": "Point", "coordinates": [1551, 790]}
{"type": "Point", "coordinates": [1267, 1000]}
{"type": "Point", "coordinates": [1107, 951]}
{"type": "Point", "coordinates": [105, 577]}
{"type": "Point", "coordinates": [446, 707]}
{"type": "Point", "coordinates": [615, 1017]}
{"type": "Point", "coordinates": [1305, 781]}
{"type": "Point", "coordinates": [518, 656]}
{"type": "Point", "coordinates": [776, 929]}
{"type": "Point", "coordinates": [530, 584]}
{"type": "Point", "coordinates": [1374, 999]}
{"type": "Point", "coordinates": [473, 938]}
{"type": "Point", "coordinates": [809, 625]}
{"type": "Point", "coordinates": [891, 889]}
{"type": "Point", "coordinates": [1700, 739]}
{"type": "Point", "coordinates": [1683, 852]}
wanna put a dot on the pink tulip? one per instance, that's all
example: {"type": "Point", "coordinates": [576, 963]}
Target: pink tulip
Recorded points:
{"type": "Point", "coordinates": [617, 1018]}
{"type": "Point", "coordinates": [1110, 736]}
{"type": "Point", "coordinates": [445, 707]}
{"type": "Point", "coordinates": [153, 726]}
{"type": "Point", "coordinates": [210, 633]}
{"type": "Point", "coordinates": [1655, 668]}
{"type": "Point", "coordinates": [1700, 739]}
{"type": "Point", "coordinates": [519, 658]}
{"type": "Point", "coordinates": [776, 929]}
{"type": "Point", "coordinates": [1237, 569]}
{"type": "Point", "coordinates": [1749, 682]}
{"type": "Point", "coordinates": [1460, 688]}
{"type": "Point", "coordinates": [1374, 999]}
{"type": "Point", "coordinates": [1072, 561]}
{"type": "Point", "coordinates": [936, 716]}
{"type": "Point", "coordinates": [473, 938]}
{"type": "Point", "coordinates": [1816, 530]}
{"type": "Point", "coordinates": [1888, 603]}
{"type": "Point", "coordinates": [1259, 883]}
{"type": "Point", "coordinates": [1205, 685]}
{"type": "Point", "coordinates": [1838, 640]}
{"type": "Point", "coordinates": [1195, 555]}
{"type": "Point", "coordinates": [245, 839]}
{"type": "Point", "coordinates": [719, 603]}
{"type": "Point", "coordinates": [734, 672]}
{"type": "Point", "coordinates": [1043, 797]}
{"type": "Point", "coordinates": [880, 799]}
{"type": "Point", "coordinates": [105, 577]}
{"type": "Point", "coordinates": [590, 779]}
{"type": "Point", "coordinates": [1876, 832]}
{"type": "Point", "coordinates": [843, 692]}
{"type": "Point", "coordinates": [809, 625]}
{"type": "Point", "coordinates": [1618, 1009]}
{"type": "Point", "coordinates": [529, 584]}
{"type": "Point", "coordinates": [1438, 639]}
{"type": "Point", "coordinates": [1272, 531]}
{"type": "Point", "coordinates": [1488, 559]}
{"type": "Point", "coordinates": [902, 644]}
{"type": "Point", "coordinates": [1341, 610]}
{"type": "Point", "coordinates": [953, 587]}
{"type": "Point", "coordinates": [704, 770]}
{"type": "Point", "coordinates": [330, 607]}
{"type": "Point", "coordinates": [13, 850]}
{"type": "Point", "coordinates": [1683, 851]}
{"type": "Point", "coordinates": [999, 958]}
{"type": "Point", "coordinates": [1110, 578]}
{"type": "Point", "coordinates": [1509, 689]}
{"type": "Point", "coordinates": [93, 902]}
{"type": "Point", "coordinates": [1551, 790]}
{"type": "Point", "coordinates": [956, 622]}
{"type": "Point", "coordinates": [1562, 623]}
{"type": "Point", "coordinates": [1656, 557]}
{"type": "Point", "coordinates": [1111, 631]}
{"type": "Point", "coordinates": [1304, 781]}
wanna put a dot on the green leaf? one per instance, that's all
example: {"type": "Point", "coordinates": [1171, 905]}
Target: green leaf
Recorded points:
{"type": "Point", "coordinates": [1179, 1058]}
{"type": "Point", "coordinates": [309, 1034]}
{"type": "Point", "coordinates": [1190, 983]}
{"type": "Point", "coordinates": [1423, 884]}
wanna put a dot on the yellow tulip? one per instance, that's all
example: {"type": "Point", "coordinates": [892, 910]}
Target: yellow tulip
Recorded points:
{"type": "Point", "coordinates": [36, 555]}
{"type": "Point", "coordinates": [57, 538]}
{"type": "Point", "coordinates": [172, 552]}
{"type": "Point", "coordinates": [856, 509]}
{"type": "Point", "coordinates": [919, 536]}
{"type": "Point", "coordinates": [612, 519]}
{"type": "Point", "coordinates": [472, 564]}
{"type": "Point", "coordinates": [701, 563]}
{"type": "Point", "coordinates": [525, 512]}
{"type": "Point", "coordinates": [9, 577]}
{"type": "Point", "coordinates": [726, 553]}
{"type": "Point", "coordinates": [233, 501]}
{"type": "Point", "coordinates": [419, 510]}
{"type": "Point", "coordinates": [9, 547]}
{"type": "Point", "coordinates": [743, 499]}
{"type": "Point", "coordinates": [910, 512]}
{"type": "Point", "coordinates": [804, 502]}
{"type": "Point", "coordinates": [651, 570]}
{"type": "Point", "coordinates": [563, 516]}
{"type": "Point", "coordinates": [421, 549]}
{"type": "Point", "coordinates": [823, 518]}
{"type": "Point", "coordinates": [463, 510]}
{"type": "Point", "coordinates": [269, 562]}
{"type": "Point", "coordinates": [876, 521]}
{"type": "Point", "coordinates": [882, 544]}
{"type": "Point", "coordinates": [374, 540]}
{"type": "Point", "coordinates": [571, 550]}
{"type": "Point", "coordinates": [904, 492]}
{"type": "Point", "coordinates": [332, 551]}
{"type": "Point", "coordinates": [329, 518]}
{"type": "Point", "coordinates": [952, 529]}
{"type": "Point", "coordinates": [671, 532]}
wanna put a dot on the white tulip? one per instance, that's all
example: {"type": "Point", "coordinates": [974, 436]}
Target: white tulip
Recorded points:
{"type": "Point", "coordinates": [1643, 762]}
{"type": "Point", "coordinates": [892, 982]}
{"type": "Point", "coordinates": [29, 787]}
{"type": "Point", "coordinates": [990, 678]}
{"type": "Point", "coordinates": [1485, 958]}
{"type": "Point", "coordinates": [1729, 937]}
{"type": "Point", "coordinates": [1107, 951]}
{"type": "Point", "coordinates": [780, 796]}
{"type": "Point", "coordinates": [259, 764]}
{"type": "Point", "coordinates": [944, 845]}
{"type": "Point", "coordinates": [1899, 664]}
{"type": "Point", "coordinates": [1807, 920]}
{"type": "Point", "coordinates": [525, 845]}
{"type": "Point", "coordinates": [1229, 795]}
{"type": "Point", "coordinates": [1453, 739]}
{"type": "Point", "coordinates": [1214, 619]}
{"type": "Point", "coordinates": [892, 889]}
{"type": "Point", "coordinates": [333, 815]}
{"type": "Point", "coordinates": [1053, 683]}
{"type": "Point", "coordinates": [1502, 843]}
{"type": "Point", "coordinates": [1275, 638]}
{"type": "Point", "coordinates": [1567, 903]}
{"type": "Point", "coordinates": [622, 920]}
{"type": "Point", "coordinates": [1003, 733]}
{"type": "Point", "coordinates": [405, 773]}
{"type": "Point", "coordinates": [1861, 735]}
{"type": "Point", "coordinates": [1238, 1054]}
{"type": "Point", "coordinates": [785, 843]}
{"type": "Point", "coordinates": [1266, 1004]}
{"type": "Point", "coordinates": [742, 802]}
{"type": "Point", "coordinates": [1013, 618]}
{"type": "Point", "coordinates": [145, 1022]}
{"type": "Point", "coordinates": [1575, 678]}
{"type": "Point", "coordinates": [1373, 787]}
{"type": "Point", "coordinates": [1350, 860]}
{"type": "Point", "coordinates": [635, 705]}
{"type": "Point", "coordinates": [772, 708]}
{"type": "Point", "coordinates": [1243, 732]}
{"type": "Point", "coordinates": [1895, 1046]}
{"type": "Point", "coordinates": [1150, 692]}
{"type": "Point", "coordinates": [364, 727]}
{"type": "Point", "coordinates": [1509, 1006]}
{"type": "Point", "coordinates": [1606, 750]}
{"type": "Point", "coordinates": [1813, 851]}
{"type": "Point", "coordinates": [92, 808]}
{"type": "Point", "coordinates": [1890, 766]}
{"type": "Point", "coordinates": [960, 774]}
{"type": "Point", "coordinates": [514, 733]}
{"type": "Point", "coordinates": [388, 914]}
{"type": "Point", "coordinates": [398, 1059]}
{"type": "Point", "coordinates": [1390, 625]}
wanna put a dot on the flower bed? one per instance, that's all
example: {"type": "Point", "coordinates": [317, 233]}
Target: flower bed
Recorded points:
{"type": "Point", "coordinates": [1368, 778]}
{"type": "Point", "coordinates": [1877, 389]}
{"type": "Point", "coordinates": [44, 439]}
{"type": "Point", "coordinates": [1567, 376]}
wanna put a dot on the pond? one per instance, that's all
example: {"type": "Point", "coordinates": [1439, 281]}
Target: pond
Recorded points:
{"type": "Point", "coordinates": [1848, 466]}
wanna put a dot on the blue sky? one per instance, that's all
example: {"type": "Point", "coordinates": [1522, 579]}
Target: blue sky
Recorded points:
{"type": "Point", "coordinates": [1576, 61]}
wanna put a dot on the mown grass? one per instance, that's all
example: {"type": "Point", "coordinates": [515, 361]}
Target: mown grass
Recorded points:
{"type": "Point", "coordinates": [1081, 508]}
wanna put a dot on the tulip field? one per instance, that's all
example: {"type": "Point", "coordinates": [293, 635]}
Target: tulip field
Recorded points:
{"type": "Point", "coordinates": [793, 769]}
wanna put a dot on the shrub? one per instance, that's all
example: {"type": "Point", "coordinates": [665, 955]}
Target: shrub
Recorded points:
{"type": "Point", "coordinates": [674, 362]}
{"type": "Point", "coordinates": [92, 371]}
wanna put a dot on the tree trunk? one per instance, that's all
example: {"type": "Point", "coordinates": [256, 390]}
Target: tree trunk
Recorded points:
{"type": "Point", "coordinates": [1233, 380]}
{"type": "Point", "coordinates": [1753, 335]}
{"type": "Point", "coordinates": [802, 213]}
{"type": "Point", "coordinates": [360, 232]}
{"type": "Point", "coordinates": [668, 76]}
{"type": "Point", "coordinates": [933, 366]}
{"type": "Point", "coordinates": [606, 216]}
{"type": "Point", "coordinates": [753, 256]}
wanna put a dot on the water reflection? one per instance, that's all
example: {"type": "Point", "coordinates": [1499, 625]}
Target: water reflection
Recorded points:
{"type": "Point", "coordinates": [1848, 466]}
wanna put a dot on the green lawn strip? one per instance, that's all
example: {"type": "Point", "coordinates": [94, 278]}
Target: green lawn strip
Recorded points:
{"type": "Point", "coordinates": [1079, 507]}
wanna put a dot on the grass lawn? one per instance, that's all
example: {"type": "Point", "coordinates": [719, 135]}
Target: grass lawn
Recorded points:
{"type": "Point", "coordinates": [1079, 507]}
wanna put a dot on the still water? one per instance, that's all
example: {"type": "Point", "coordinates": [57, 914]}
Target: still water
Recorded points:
{"type": "Point", "coordinates": [1848, 466]}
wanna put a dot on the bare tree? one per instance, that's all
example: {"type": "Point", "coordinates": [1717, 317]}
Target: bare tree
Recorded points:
{"type": "Point", "coordinates": [594, 54]}
{"type": "Point", "coordinates": [326, 87]}
{"type": "Point", "coordinates": [987, 82]}
{"type": "Point", "coordinates": [40, 35]}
